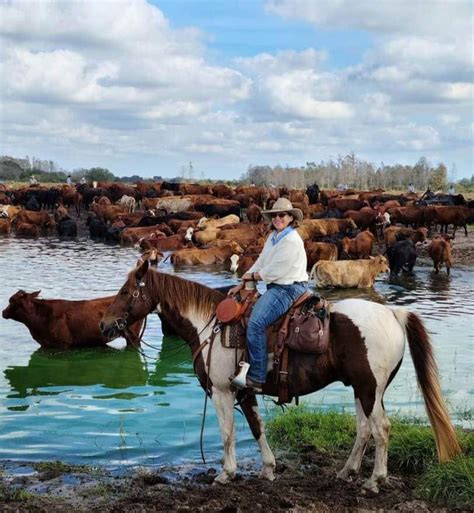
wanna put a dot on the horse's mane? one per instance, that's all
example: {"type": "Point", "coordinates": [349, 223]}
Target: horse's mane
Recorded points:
{"type": "Point", "coordinates": [179, 294]}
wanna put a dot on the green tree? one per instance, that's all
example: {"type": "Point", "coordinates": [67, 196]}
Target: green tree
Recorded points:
{"type": "Point", "coordinates": [438, 178]}
{"type": "Point", "coordinates": [99, 174]}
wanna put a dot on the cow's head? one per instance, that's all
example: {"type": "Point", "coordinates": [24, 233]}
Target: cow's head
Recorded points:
{"type": "Point", "coordinates": [189, 234]}
{"type": "Point", "coordinates": [234, 263]}
{"type": "Point", "coordinates": [236, 248]}
{"type": "Point", "coordinates": [20, 305]}
{"type": "Point", "coordinates": [381, 263]}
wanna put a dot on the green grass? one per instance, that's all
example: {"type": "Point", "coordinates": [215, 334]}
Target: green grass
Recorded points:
{"type": "Point", "coordinates": [412, 449]}
{"type": "Point", "coordinates": [300, 429]}
{"type": "Point", "coordinates": [52, 469]}
{"type": "Point", "coordinates": [9, 494]}
{"type": "Point", "coordinates": [450, 483]}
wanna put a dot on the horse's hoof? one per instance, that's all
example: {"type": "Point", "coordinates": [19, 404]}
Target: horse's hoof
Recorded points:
{"type": "Point", "coordinates": [223, 478]}
{"type": "Point", "coordinates": [371, 485]}
{"type": "Point", "coordinates": [267, 473]}
{"type": "Point", "coordinates": [345, 475]}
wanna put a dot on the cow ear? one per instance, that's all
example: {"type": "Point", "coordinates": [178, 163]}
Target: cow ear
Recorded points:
{"type": "Point", "coordinates": [142, 270]}
{"type": "Point", "coordinates": [35, 294]}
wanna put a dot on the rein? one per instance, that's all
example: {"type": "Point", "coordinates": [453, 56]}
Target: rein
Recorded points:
{"type": "Point", "coordinates": [121, 326]}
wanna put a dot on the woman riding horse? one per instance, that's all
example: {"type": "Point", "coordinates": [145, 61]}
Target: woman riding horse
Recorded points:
{"type": "Point", "coordinates": [366, 348]}
{"type": "Point", "coordinates": [282, 266]}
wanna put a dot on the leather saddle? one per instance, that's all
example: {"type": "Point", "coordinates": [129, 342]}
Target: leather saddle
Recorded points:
{"type": "Point", "coordinates": [303, 328]}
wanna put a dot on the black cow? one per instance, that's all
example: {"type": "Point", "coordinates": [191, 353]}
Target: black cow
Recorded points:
{"type": "Point", "coordinates": [332, 213]}
{"type": "Point", "coordinates": [401, 256]}
{"type": "Point", "coordinates": [313, 193]}
{"type": "Point", "coordinates": [97, 229]}
{"type": "Point", "coordinates": [113, 235]}
{"type": "Point", "coordinates": [33, 204]}
{"type": "Point", "coordinates": [67, 227]}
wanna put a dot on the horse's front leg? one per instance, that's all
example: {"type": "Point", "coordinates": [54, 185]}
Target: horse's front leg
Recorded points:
{"type": "Point", "coordinates": [249, 405]}
{"type": "Point", "coordinates": [224, 404]}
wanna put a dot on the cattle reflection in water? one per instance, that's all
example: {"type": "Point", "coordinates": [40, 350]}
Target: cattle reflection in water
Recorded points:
{"type": "Point", "coordinates": [108, 367]}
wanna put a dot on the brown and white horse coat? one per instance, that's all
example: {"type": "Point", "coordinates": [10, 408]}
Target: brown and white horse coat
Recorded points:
{"type": "Point", "coordinates": [366, 350]}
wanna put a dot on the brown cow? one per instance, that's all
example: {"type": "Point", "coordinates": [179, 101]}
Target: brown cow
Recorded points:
{"type": "Point", "coordinates": [144, 188]}
{"type": "Point", "coordinates": [41, 219]}
{"type": "Point", "coordinates": [344, 204]}
{"type": "Point", "coordinates": [63, 324]}
{"type": "Point", "coordinates": [349, 273]}
{"type": "Point", "coordinates": [393, 232]}
{"type": "Point", "coordinates": [242, 263]}
{"type": "Point", "coordinates": [310, 228]}
{"type": "Point", "coordinates": [254, 214]}
{"type": "Point", "coordinates": [316, 251]}
{"type": "Point", "coordinates": [245, 235]}
{"type": "Point", "coordinates": [206, 256]}
{"type": "Point", "coordinates": [10, 211]}
{"type": "Point", "coordinates": [446, 215]}
{"type": "Point", "coordinates": [133, 234]}
{"type": "Point", "coordinates": [364, 218]}
{"type": "Point", "coordinates": [5, 226]}
{"type": "Point", "coordinates": [178, 224]}
{"type": "Point", "coordinates": [409, 216]}
{"type": "Point", "coordinates": [312, 210]}
{"type": "Point", "coordinates": [359, 247]}
{"type": "Point", "coordinates": [153, 256]}
{"type": "Point", "coordinates": [27, 230]}
{"type": "Point", "coordinates": [259, 195]}
{"type": "Point", "coordinates": [108, 214]}
{"type": "Point", "coordinates": [171, 243]}
{"type": "Point", "coordinates": [440, 251]}
{"type": "Point", "coordinates": [222, 191]}
{"type": "Point", "coordinates": [194, 188]}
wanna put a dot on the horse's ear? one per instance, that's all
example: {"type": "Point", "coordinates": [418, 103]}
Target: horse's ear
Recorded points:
{"type": "Point", "coordinates": [35, 294]}
{"type": "Point", "coordinates": [142, 270]}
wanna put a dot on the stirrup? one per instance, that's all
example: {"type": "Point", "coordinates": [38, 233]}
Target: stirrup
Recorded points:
{"type": "Point", "coordinates": [239, 381]}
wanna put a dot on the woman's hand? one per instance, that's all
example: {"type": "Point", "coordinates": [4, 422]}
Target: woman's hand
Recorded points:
{"type": "Point", "coordinates": [235, 290]}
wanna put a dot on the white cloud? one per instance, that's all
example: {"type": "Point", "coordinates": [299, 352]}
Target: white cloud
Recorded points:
{"type": "Point", "coordinates": [114, 78]}
{"type": "Point", "coordinates": [430, 17]}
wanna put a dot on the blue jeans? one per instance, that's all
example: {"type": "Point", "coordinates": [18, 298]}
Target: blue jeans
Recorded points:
{"type": "Point", "coordinates": [273, 304]}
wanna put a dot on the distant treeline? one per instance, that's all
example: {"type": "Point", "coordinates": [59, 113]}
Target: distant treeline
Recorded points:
{"type": "Point", "coordinates": [349, 170]}
{"type": "Point", "coordinates": [359, 174]}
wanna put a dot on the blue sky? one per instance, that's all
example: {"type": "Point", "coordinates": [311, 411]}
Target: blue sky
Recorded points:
{"type": "Point", "coordinates": [146, 87]}
{"type": "Point", "coordinates": [242, 28]}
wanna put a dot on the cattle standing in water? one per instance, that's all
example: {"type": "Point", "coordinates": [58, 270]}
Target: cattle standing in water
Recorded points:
{"type": "Point", "coordinates": [401, 256]}
{"type": "Point", "coordinates": [440, 252]}
{"type": "Point", "coordinates": [358, 247]}
{"type": "Point", "coordinates": [27, 230]}
{"type": "Point", "coordinates": [349, 273]}
{"type": "Point", "coordinates": [5, 226]}
{"type": "Point", "coordinates": [67, 227]}
{"type": "Point", "coordinates": [57, 323]}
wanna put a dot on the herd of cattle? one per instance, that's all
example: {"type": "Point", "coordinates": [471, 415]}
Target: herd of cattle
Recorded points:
{"type": "Point", "coordinates": [201, 225]}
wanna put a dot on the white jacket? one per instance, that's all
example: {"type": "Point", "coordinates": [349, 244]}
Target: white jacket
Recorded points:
{"type": "Point", "coordinates": [283, 264]}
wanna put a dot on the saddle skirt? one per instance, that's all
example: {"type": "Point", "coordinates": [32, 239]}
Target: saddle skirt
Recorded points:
{"type": "Point", "coordinates": [304, 328]}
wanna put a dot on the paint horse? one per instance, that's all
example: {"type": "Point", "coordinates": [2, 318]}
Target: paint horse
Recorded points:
{"type": "Point", "coordinates": [366, 349]}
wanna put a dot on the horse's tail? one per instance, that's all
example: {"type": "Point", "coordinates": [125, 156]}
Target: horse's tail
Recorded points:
{"type": "Point", "coordinates": [426, 369]}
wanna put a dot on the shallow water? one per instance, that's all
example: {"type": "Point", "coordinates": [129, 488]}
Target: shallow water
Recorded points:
{"type": "Point", "coordinates": [117, 407]}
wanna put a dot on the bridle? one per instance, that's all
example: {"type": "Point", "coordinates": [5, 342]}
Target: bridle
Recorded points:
{"type": "Point", "coordinates": [121, 324]}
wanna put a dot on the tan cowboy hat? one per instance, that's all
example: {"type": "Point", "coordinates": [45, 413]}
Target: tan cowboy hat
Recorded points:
{"type": "Point", "coordinates": [283, 205]}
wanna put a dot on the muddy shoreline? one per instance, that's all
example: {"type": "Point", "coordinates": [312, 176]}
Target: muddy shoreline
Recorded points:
{"type": "Point", "coordinates": [305, 482]}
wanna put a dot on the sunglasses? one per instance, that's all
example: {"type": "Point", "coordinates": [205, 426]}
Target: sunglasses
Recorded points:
{"type": "Point", "coordinates": [279, 214]}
